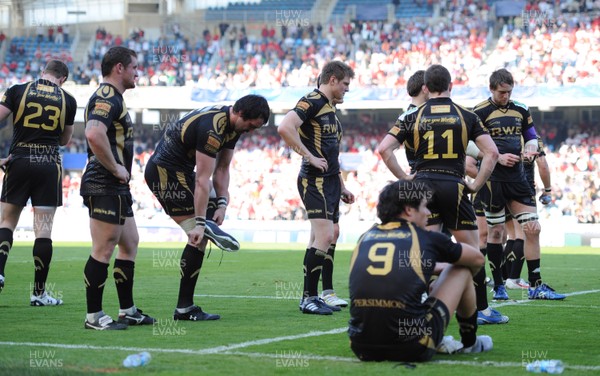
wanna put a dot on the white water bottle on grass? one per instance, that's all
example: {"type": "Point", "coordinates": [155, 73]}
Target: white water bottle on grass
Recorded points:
{"type": "Point", "coordinates": [546, 366]}
{"type": "Point", "coordinates": [136, 360]}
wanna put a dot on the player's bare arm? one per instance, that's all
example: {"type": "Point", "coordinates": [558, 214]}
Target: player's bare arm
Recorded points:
{"type": "Point", "coordinates": [205, 165]}
{"type": "Point", "coordinates": [347, 196]}
{"type": "Point", "coordinates": [66, 134]}
{"type": "Point", "coordinates": [471, 257]}
{"type": "Point", "coordinates": [386, 150]}
{"type": "Point", "coordinates": [544, 172]}
{"type": "Point", "coordinates": [490, 156]}
{"type": "Point", "coordinates": [95, 133]}
{"type": "Point", "coordinates": [288, 130]}
{"type": "Point", "coordinates": [221, 182]}
{"type": "Point", "coordinates": [4, 112]}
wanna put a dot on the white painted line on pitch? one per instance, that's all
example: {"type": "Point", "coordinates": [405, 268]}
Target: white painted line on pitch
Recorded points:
{"type": "Point", "coordinates": [300, 355]}
{"type": "Point", "coordinates": [249, 297]}
{"type": "Point", "coordinates": [266, 341]}
{"type": "Point", "coordinates": [276, 356]}
{"type": "Point", "coordinates": [293, 355]}
{"type": "Point", "coordinates": [208, 351]}
{"type": "Point", "coordinates": [514, 302]}
{"type": "Point", "coordinates": [486, 363]}
{"type": "Point", "coordinates": [567, 306]}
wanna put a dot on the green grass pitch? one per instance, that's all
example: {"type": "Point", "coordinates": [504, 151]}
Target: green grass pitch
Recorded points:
{"type": "Point", "coordinates": [261, 331]}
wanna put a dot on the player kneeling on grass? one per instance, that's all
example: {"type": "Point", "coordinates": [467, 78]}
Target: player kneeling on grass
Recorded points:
{"type": "Point", "coordinates": [389, 271]}
{"type": "Point", "coordinates": [203, 140]}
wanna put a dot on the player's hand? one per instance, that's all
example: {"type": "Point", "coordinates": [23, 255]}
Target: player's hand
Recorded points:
{"type": "Point", "coordinates": [122, 174]}
{"type": "Point", "coordinates": [320, 163]}
{"type": "Point", "coordinates": [347, 196]}
{"type": "Point", "coordinates": [195, 236]}
{"type": "Point", "coordinates": [219, 216]}
{"type": "Point", "coordinates": [545, 198]}
{"type": "Point", "coordinates": [529, 156]}
{"type": "Point", "coordinates": [4, 162]}
{"type": "Point", "coordinates": [508, 159]}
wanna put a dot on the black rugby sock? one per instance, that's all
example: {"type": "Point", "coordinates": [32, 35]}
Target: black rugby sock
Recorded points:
{"type": "Point", "coordinates": [517, 266]}
{"type": "Point", "coordinates": [6, 241]}
{"type": "Point", "coordinates": [467, 329]}
{"type": "Point", "coordinates": [313, 264]}
{"type": "Point", "coordinates": [494, 255]}
{"type": "Point", "coordinates": [507, 258]}
{"type": "Point", "coordinates": [480, 287]}
{"type": "Point", "coordinates": [535, 277]}
{"type": "Point", "coordinates": [42, 256]}
{"type": "Point", "coordinates": [190, 265]}
{"type": "Point", "coordinates": [94, 274]}
{"type": "Point", "coordinates": [123, 272]}
{"type": "Point", "coordinates": [327, 274]}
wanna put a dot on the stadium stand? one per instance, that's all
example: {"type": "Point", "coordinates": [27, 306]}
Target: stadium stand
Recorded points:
{"type": "Point", "coordinates": [560, 49]}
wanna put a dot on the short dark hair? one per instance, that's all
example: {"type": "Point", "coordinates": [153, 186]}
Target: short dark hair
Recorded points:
{"type": "Point", "coordinates": [396, 196]}
{"type": "Point", "coordinates": [114, 56]}
{"type": "Point", "coordinates": [336, 69]}
{"type": "Point", "coordinates": [57, 68]}
{"type": "Point", "coordinates": [415, 83]}
{"type": "Point", "coordinates": [437, 78]}
{"type": "Point", "coordinates": [252, 107]}
{"type": "Point", "coordinates": [499, 77]}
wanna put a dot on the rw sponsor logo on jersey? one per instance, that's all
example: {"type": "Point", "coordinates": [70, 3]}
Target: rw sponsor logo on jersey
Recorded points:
{"type": "Point", "coordinates": [505, 131]}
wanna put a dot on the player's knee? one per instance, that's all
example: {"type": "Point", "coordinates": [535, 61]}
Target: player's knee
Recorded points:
{"type": "Point", "coordinates": [495, 233]}
{"type": "Point", "coordinates": [529, 223]}
{"type": "Point", "coordinates": [187, 225]}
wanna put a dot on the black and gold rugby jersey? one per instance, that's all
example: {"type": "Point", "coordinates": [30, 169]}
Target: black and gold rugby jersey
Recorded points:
{"type": "Point", "coordinates": [207, 130]}
{"type": "Point", "coordinates": [320, 132]}
{"type": "Point", "coordinates": [107, 106]}
{"type": "Point", "coordinates": [389, 271]}
{"type": "Point", "coordinates": [438, 131]}
{"type": "Point", "coordinates": [40, 109]}
{"type": "Point", "coordinates": [506, 126]}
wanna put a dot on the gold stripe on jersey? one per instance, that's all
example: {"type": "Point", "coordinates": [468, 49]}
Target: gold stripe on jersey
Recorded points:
{"type": "Point", "coordinates": [497, 113]}
{"type": "Point", "coordinates": [120, 140]}
{"type": "Point", "coordinates": [458, 201]}
{"type": "Point", "coordinates": [415, 254]}
{"type": "Point", "coordinates": [220, 122]}
{"type": "Point", "coordinates": [162, 178]}
{"type": "Point", "coordinates": [120, 135]}
{"type": "Point", "coordinates": [428, 342]}
{"type": "Point", "coordinates": [304, 182]}
{"type": "Point", "coordinates": [181, 179]}
{"type": "Point", "coordinates": [58, 180]}
{"type": "Point", "coordinates": [317, 136]}
{"type": "Point", "coordinates": [416, 126]}
{"type": "Point", "coordinates": [319, 185]}
{"type": "Point", "coordinates": [22, 104]}
{"type": "Point", "coordinates": [63, 110]}
{"type": "Point", "coordinates": [463, 128]}
{"type": "Point", "coordinates": [187, 123]}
